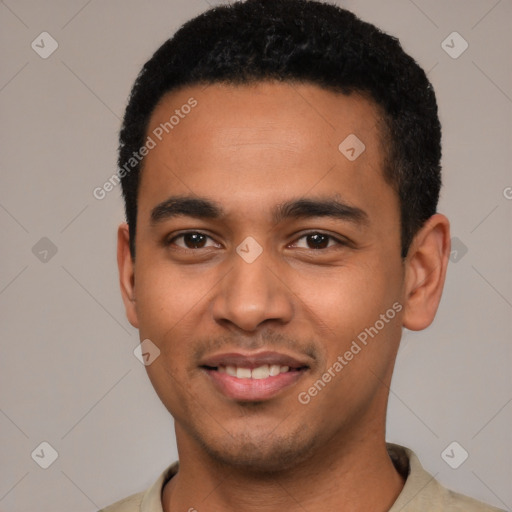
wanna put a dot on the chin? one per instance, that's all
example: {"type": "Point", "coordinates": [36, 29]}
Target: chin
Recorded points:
{"type": "Point", "coordinates": [261, 453]}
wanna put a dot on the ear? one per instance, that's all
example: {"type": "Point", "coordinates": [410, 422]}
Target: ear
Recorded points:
{"type": "Point", "coordinates": [125, 264]}
{"type": "Point", "coordinates": [425, 272]}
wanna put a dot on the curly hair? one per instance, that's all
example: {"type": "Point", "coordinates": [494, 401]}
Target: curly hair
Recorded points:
{"type": "Point", "coordinates": [303, 41]}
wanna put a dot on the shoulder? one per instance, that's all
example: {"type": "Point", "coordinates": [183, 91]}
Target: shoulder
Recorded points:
{"type": "Point", "coordinates": [129, 504]}
{"type": "Point", "coordinates": [146, 501]}
{"type": "Point", "coordinates": [458, 502]}
{"type": "Point", "coordinates": [423, 493]}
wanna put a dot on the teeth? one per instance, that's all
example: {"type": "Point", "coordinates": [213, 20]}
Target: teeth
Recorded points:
{"type": "Point", "coordinates": [230, 370]}
{"type": "Point", "coordinates": [275, 369]}
{"type": "Point", "coordinates": [243, 373]}
{"type": "Point", "coordinates": [261, 372]}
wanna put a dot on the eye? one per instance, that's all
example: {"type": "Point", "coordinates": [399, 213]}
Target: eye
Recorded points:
{"type": "Point", "coordinates": [191, 240]}
{"type": "Point", "coordinates": [316, 240]}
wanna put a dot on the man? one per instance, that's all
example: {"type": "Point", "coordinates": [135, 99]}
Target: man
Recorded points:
{"type": "Point", "coordinates": [280, 163]}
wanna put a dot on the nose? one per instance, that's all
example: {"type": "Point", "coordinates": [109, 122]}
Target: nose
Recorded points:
{"type": "Point", "coordinates": [252, 294]}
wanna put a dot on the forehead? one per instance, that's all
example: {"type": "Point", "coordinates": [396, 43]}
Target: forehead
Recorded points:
{"type": "Point", "coordinates": [255, 144]}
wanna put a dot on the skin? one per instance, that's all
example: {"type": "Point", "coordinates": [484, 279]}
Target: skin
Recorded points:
{"type": "Point", "coordinates": [250, 148]}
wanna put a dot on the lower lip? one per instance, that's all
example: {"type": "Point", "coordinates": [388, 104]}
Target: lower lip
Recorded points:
{"type": "Point", "coordinates": [251, 390]}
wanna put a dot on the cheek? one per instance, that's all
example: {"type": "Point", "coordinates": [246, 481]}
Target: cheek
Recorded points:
{"type": "Point", "coordinates": [165, 297]}
{"type": "Point", "coordinates": [342, 303]}
{"type": "Point", "coordinates": [166, 305]}
{"type": "Point", "coordinates": [356, 318]}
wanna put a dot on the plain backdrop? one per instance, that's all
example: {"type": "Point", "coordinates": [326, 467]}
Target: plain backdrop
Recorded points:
{"type": "Point", "coordinates": [68, 375]}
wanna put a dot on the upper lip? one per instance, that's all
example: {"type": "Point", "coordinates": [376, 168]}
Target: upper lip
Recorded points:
{"type": "Point", "coordinates": [252, 360]}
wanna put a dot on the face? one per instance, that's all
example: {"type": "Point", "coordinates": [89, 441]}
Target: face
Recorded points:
{"type": "Point", "coordinates": [268, 270]}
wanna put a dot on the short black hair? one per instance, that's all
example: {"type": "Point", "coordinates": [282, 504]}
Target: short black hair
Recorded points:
{"type": "Point", "coordinates": [301, 41]}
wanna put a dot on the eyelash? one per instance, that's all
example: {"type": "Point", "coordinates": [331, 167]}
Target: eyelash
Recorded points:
{"type": "Point", "coordinates": [330, 237]}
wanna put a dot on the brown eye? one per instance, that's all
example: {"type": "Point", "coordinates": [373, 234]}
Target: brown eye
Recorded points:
{"type": "Point", "coordinates": [318, 241]}
{"type": "Point", "coordinates": [191, 240]}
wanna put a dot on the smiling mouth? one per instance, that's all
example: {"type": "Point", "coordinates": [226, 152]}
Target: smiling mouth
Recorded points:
{"type": "Point", "coordinates": [260, 372]}
{"type": "Point", "coordinates": [252, 378]}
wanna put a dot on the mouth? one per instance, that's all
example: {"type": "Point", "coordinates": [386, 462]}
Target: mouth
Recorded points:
{"type": "Point", "coordinates": [253, 377]}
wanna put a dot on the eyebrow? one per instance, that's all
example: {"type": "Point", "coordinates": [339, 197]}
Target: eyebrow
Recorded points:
{"type": "Point", "coordinates": [203, 208]}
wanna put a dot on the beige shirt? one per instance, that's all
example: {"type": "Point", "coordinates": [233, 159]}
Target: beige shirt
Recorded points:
{"type": "Point", "coordinates": [421, 492]}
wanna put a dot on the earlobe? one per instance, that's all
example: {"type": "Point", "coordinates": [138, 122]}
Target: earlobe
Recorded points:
{"type": "Point", "coordinates": [426, 265]}
{"type": "Point", "coordinates": [125, 265]}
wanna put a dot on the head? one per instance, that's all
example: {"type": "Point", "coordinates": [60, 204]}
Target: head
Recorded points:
{"type": "Point", "coordinates": [300, 41]}
{"type": "Point", "coordinates": [285, 203]}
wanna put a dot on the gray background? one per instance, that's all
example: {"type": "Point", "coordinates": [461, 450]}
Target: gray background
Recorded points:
{"type": "Point", "coordinates": [68, 375]}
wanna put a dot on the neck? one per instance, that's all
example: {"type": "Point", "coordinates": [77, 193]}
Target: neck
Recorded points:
{"type": "Point", "coordinates": [347, 475]}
